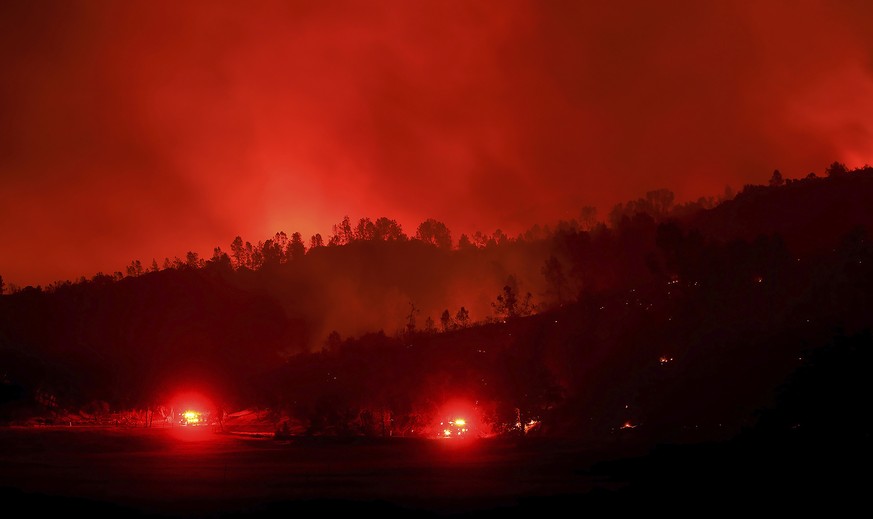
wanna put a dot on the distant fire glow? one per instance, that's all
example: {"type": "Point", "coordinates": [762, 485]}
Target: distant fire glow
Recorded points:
{"type": "Point", "coordinates": [455, 428]}
{"type": "Point", "coordinates": [191, 417]}
{"type": "Point", "coordinates": [191, 408]}
{"type": "Point", "coordinates": [460, 417]}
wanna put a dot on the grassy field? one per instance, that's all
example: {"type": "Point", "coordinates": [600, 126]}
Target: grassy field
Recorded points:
{"type": "Point", "coordinates": [197, 472]}
{"type": "Point", "coordinates": [192, 471]}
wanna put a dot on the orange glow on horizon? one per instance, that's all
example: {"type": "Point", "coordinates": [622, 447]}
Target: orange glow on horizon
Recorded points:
{"type": "Point", "coordinates": [212, 143]}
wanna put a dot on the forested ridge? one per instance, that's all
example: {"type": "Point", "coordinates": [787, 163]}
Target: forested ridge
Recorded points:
{"type": "Point", "coordinates": [660, 319]}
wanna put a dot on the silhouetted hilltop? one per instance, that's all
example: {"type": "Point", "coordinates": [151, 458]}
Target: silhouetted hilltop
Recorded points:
{"type": "Point", "coordinates": [810, 214]}
{"type": "Point", "coordinates": [672, 324]}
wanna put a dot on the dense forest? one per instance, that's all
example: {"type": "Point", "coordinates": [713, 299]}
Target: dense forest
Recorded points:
{"type": "Point", "coordinates": [662, 320]}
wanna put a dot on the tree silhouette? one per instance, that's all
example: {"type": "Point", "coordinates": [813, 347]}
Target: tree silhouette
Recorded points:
{"type": "Point", "coordinates": [462, 317]}
{"type": "Point", "coordinates": [134, 269]}
{"type": "Point", "coordinates": [296, 248]}
{"type": "Point", "coordinates": [498, 238]}
{"type": "Point", "coordinates": [480, 239]}
{"type": "Point", "coordinates": [271, 253]}
{"type": "Point", "coordinates": [837, 169]}
{"type": "Point", "coordinates": [220, 258]}
{"type": "Point", "coordinates": [342, 233]}
{"type": "Point", "coordinates": [429, 325]}
{"type": "Point", "coordinates": [776, 180]}
{"type": "Point", "coordinates": [435, 233]}
{"type": "Point", "coordinates": [238, 252]}
{"type": "Point", "coordinates": [280, 243]}
{"type": "Point", "coordinates": [365, 230]}
{"type": "Point", "coordinates": [657, 204]}
{"type": "Point", "coordinates": [388, 230]}
{"type": "Point", "coordinates": [508, 305]}
{"type": "Point", "coordinates": [192, 260]}
{"type": "Point", "coordinates": [446, 320]}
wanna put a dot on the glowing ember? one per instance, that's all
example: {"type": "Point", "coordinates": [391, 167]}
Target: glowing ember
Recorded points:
{"type": "Point", "coordinates": [460, 422]}
{"type": "Point", "coordinates": [628, 425]}
{"type": "Point", "coordinates": [531, 425]}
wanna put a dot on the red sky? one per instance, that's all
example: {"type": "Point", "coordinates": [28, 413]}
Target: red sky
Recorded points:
{"type": "Point", "coordinates": [139, 130]}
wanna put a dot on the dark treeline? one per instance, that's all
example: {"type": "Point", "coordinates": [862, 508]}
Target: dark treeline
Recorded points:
{"type": "Point", "coordinates": [667, 322]}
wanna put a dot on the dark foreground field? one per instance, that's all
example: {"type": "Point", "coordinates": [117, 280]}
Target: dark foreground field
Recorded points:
{"type": "Point", "coordinates": [189, 472]}
{"type": "Point", "coordinates": [194, 471]}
